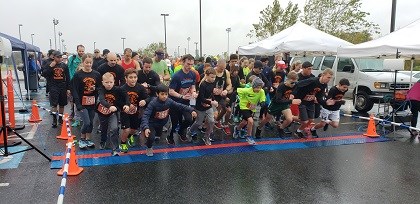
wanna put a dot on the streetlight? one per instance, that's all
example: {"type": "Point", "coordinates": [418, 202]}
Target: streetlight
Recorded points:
{"type": "Point", "coordinates": [188, 39]}
{"type": "Point", "coordinates": [55, 22]}
{"type": "Point", "coordinates": [123, 43]}
{"type": "Point", "coordinates": [62, 44]}
{"type": "Point", "coordinates": [179, 54]}
{"type": "Point", "coordinates": [228, 31]}
{"type": "Point", "coordinates": [59, 40]}
{"type": "Point", "coordinates": [196, 50]}
{"type": "Point", "coordinates": [32, 38]}
{"type": "Point", "coordinates": [94, 45]}
{"type": "Point", "coordinates": [20, 36]}
{"type": "Point", "coordinates": [164, 26]}
{"type": "Point", "coordinates": [201, 36]}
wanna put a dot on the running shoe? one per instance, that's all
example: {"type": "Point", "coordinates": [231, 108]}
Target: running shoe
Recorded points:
{"type": "Point", "coordinates": [157, 138]}
{"type": "Point", "coordinates": [243, 133]}
{"type": "Point", "coordinates": [149, 152]}
{"type": "Point", "coordinates": [314, 134]}
{"type": "Point", "coordinates": [299, 134]}
{"type": "Point", "coordinates": [250, 140]}
{"type": "Point", "coordinates": [287, 131]}
{"type": "Point", "coordinates": [236, 132]}
{"type": "Point", "coordinates": [89, 143]}
{"type": "Point", "coordinates": [102, 145]}
{"type": "Point", "coordinates": [281, 132]}
{"type": "Point", "coordinates": [115, 153]}
{"type": "Point", "coordinates": [124, 147]}
{"type": "Point", "coordinates": [226, 129]}
{"type": "Point", "coordinates": [207, 141]}
{"type": "Point", "coordinates": [218, 125]}
{"type": "Point", "coordinates": [170, 141]}
{"type": "Point", "coordinates": [131, 141]}
{"type": "Point", "coordinates": [236, 119]}
{"type": "Point", "coordinates": [325, 127]}
{"type": "Point", "coordinates": [82, 144]}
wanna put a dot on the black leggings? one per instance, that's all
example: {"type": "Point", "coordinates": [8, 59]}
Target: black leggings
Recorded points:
{"type": "Point", "coordinates": [415, 108]}
{"type": "Point", "coordinates": [183, 118]}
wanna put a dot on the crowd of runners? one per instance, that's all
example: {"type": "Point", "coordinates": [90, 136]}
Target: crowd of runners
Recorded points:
{"type": "Point", "coordinates": [128, 97]}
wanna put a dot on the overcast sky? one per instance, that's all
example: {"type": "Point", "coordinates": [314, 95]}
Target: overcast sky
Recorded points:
{"type": "Point", "coordinates": [140, 22]}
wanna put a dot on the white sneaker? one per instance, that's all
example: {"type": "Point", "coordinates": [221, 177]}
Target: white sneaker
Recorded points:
{"type": "Point", "coordinates": [250, 140]}
{"type": "Point", "coordinates": [149, 152]}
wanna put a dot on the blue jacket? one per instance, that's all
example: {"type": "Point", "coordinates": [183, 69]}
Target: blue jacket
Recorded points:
{"type": "Point", "coordinates": [157, 112]}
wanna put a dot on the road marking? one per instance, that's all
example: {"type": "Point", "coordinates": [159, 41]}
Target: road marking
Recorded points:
{"type": "Point", "coordinates": [4, 184]}
{"type": "Point", "coordinates": [6, 159]}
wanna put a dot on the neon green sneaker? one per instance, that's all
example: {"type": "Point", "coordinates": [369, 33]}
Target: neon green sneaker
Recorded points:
{"type": "Point", "coordinates": [131, 141]}
{"type": "Point", "coordinates": [124, 148]}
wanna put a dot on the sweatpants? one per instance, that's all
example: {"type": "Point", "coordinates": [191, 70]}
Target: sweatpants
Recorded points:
{"type": "Point", "coordinates": [201, 115]}
{"type": "Point", "coordinates": [109, 129]}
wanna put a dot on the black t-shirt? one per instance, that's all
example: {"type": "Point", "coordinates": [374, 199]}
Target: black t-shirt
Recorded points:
{"type": "Point", "coordinates": [310, 89]}
{"type": "Point", "coordinates": [117, 71]}
{"type": "Point", "coordinates": [283, 94]}
{"type": "Point", "coordinates": [151, 78]}
{"type": "Point", "coordinates": [205, 96]}
{"type": "Point", "coordinates": [136, 94]}
{"type": "Point", "coordinates": [337, 95]}
{"type": "Point", "coordinates": [113, 97]}
{"type": "Point", "coordinates": [96, 63]}
{"type": "Point", "coordinates": [58, 75]}
{"type": "Point", "coordinates": [85, 88]}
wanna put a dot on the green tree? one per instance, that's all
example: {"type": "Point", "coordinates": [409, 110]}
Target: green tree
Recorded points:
{"type": "Point", "coordinates": [274, 19]}
{"type": "Point", "coordinates": [149, 51]}
{"type": "Point", "coordinates": [341, 18]}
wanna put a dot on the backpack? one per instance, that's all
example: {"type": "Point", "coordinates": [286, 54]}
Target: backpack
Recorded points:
{"type": "Point", "coordinates": [72, 59]}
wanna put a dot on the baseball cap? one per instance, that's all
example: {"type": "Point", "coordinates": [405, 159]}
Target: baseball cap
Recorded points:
{"type": "Point", "coordinates": [258, 64]}
{"type": "Point", "coordinates": [57, 54]}
{"type": "Point", "coordinates": [64, 56]}
{"type": "Point", "coordinates": [306, 64]}
{"type": "Point", "coordinates": [281, 64]}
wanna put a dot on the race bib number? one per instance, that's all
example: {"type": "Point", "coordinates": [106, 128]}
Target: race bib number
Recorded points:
{"type": "Point", "coordinates": [251, 106]}
{"type": "Point", "coordinates": [88, 100]}
{"type": "Point", "coordinates": [104, 110]}
{"type": "Point", "coordinates": [184, 91]}
{"type": "Point", "coordinates": [309, 98]}
{"type": "Point", "coordinates": [162, 114]}
{"type": "Point", "coordinates": [132, 111]}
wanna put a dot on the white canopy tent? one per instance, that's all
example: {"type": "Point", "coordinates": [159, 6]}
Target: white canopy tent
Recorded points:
{"type": "Point", "coordinates": [405, 40]}
{"type": "Point", "coordinates": [297, 38]}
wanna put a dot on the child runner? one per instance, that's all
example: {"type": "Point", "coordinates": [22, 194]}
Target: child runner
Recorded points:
{"type": "Point", "coordinates": [85, 89]}
{"type": "Point", "coordinates": [138, 98]}
{"type": "Point", "coordinates": [157, 113]}
{"type": "Point", "coordinates": [248, 100]}
{"type": "Point", "coordinates": [204, 106]}
{"type": "Point", "coordinates": [330, 114]}
{"type": "Point", "coordinates": [111, 100]}
{"type": "Point", "coordinates": [280, 104]}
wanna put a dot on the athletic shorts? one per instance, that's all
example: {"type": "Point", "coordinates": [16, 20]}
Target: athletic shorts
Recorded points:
{"type": "Point", "coordinates": [58, 96]}
{"type": "Point", "coordinates": [306, 111]}
{"type": "Point", "coordinates": [295, 109]}
{"type": "Point", "coordinates": [330, 115]}
{"type": "Point", "coordinates": [246, 114]}
{"type": "Point", "coordinates": [277, 108]}
{"type": "Point", "coordinates": [130, 121]}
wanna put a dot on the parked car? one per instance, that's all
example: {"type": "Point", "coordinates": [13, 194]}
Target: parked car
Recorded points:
{"type": "Point", "coordinates": [369, 80]}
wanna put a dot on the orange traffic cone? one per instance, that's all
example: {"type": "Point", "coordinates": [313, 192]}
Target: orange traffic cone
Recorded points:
{"type": "Point", "coordinates": [35, 113]}
{"type": "Point", "coordinates": [63, 135]}
{"type": "Point", "coordinates": [73, 167]}
{"type": "Point", "coordinates": [371, 129]}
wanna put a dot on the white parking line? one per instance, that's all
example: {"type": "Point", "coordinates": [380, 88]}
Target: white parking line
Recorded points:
{"type": "Point", "coordinates": [4, 184]}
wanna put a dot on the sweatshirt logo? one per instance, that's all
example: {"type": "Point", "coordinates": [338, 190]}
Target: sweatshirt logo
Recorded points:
{"type": "Point", "coordinates": [110, 98]}
{"type": "Point", "coordinates": [133, 97]}
{"type": "Point", "coordinates": [58, 73]}
{"type": "Point", "coordinates": [162, 114]}
{"type": "Point", "coordinates": [89, 85]}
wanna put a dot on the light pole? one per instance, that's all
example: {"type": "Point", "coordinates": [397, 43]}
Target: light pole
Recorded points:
{"type": "Point", "coordinates": [62, 44]}
{"type": "Point", "coordinates": [32, 38]}
{"type": "Point", "coordinates": [188, 39]}
{"type": "Point", "coordinates": [50, 44]}
{"type": "Point", "coordinates": [55, 22]}
{"type": "Point", "coordinates": [59, 40]}
{"type": "Point", "coordinates": [228, 31]}
{"type": "Point", "coordinates": [94, 45]}
{"type": "Point", "coordinates": [164, 27]}
{"type": "Point", "coordinates": [196, 49]}
{"type": "Point", "coordinates": [201, 36]}
{"type": "Point", "coordinates": [179, 54]}
{"type": "Point", "coordinates": [123, 43]}
{"type": "Point", "coordinates": [20, 36]}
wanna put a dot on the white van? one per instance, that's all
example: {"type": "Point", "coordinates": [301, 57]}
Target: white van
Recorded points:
{"type": "Point", "coordinates": [368, 74]}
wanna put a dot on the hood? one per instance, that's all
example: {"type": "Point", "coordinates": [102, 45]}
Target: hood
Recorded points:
{"type": "Point", "coordinates": [402, 76]}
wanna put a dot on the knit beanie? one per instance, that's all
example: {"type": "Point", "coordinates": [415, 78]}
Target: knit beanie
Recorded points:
{"type": "Point", "coordinates": [257, 82]}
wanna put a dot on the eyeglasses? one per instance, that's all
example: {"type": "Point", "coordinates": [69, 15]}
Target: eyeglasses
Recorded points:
{"type": "Point", "coordinates": [96, 52]}
{"type": "Point", "coordinates": [59, 56]}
